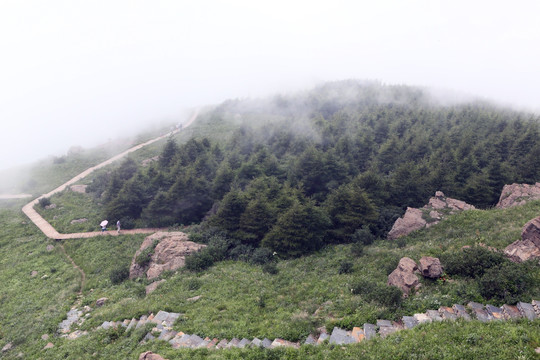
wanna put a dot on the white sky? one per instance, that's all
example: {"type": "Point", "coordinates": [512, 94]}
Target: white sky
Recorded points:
{"type": "Point", "coordinates": [80, 72]}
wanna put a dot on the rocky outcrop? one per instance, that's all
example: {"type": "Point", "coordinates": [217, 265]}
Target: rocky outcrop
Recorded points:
{"type": "Point", "coordinates": [430, 267]}
{"type": "Point", "coordinates": [529, 245]}
{"type": "Point", "coordinates": [404, 276]}
{"type": "Point", "coordinates": [438, 207]}
{"type": "Point", "coordinates": [168, 252]}
{"type": "Point", "coordinates": [518, 194]}
{"type": "Point", "coordinates": [153, 286]}
{"type": "Point", "coordinates": [148, 355]}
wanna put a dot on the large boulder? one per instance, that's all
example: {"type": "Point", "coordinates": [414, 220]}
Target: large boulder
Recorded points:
{"type": "Point", "coordinates": [529, 245]}
{"type": "Point", "coordinates": [404, 276]}
{"type": "Point", "coordinates": [437, 208]}
{"type": "Point", "coordinates": [169, 253]}
{"type": "Point", "coordinates": [430, 267]}
{"type": "Point", "coordinates": [518, 194]}
{"type": "Point", "coordinates": [411, 221]}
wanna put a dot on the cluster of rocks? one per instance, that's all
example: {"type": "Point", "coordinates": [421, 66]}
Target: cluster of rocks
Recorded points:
{"type": "Point", "coordinates": [77, 317]}
{"type": "Point", "coordinates": [529, 245]}
{"type": "Point", "coordinates": [164, 320]}
{"type": "Point", "coordinates": [414, 219]}
{"type": "Point", "coordinates": [404, 276]}
{"type": "Point", "coordinates": [169, 254]}
{"type": "Point", "coordinates": [518, 194]}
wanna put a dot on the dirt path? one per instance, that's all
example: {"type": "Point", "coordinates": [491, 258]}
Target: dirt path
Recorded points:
{"type": "Point", "coordinates": [51, 232]}
{"type": "Point", "coordinates": [83, 275]}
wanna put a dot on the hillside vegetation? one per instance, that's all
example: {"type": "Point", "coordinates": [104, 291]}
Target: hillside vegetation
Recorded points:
{"type": "Point", "coordinates": [293, 196]}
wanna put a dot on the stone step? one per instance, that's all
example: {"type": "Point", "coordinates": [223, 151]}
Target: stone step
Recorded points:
{"type": "Point", "coordinates": [340, 337]}
{"type": "Point", "coordinates": [132, 324]}
{"type": "Point", "coordinates": [511, 312]}
{"type": "Point", "coordinates": [536, 306]}
{"type": "Point", "coordinates": [222, 344]}
{"type": "Point", "coordinates": [461, 312]}
{"type": "Point", "coordinates": [357, 334]}
{"type": "Point", "coordinates": [370, 331]}
{"type": "Point", "coordinates": [422, 318]}
{"type": "Point", "coordinates": [266, 343]}
{"type": "Point", "coordinates": [479, 312]}
{"type": "Point", "coordinates": [257, 342]}
{"type": "Point", "coordinates": [434, 315]}
{"type": "Point", "coordinates": [233, 343]}
{"type": "Point", "coordinates": [322, 337]}
{"type": "Point", "coordinates": [243, 343]}
{"type": "Point", "coordinates": [526, 310]}
{"type": "Point", "coordinates": [409, 322]}
{"type": "Point", "coordinates": [495, 312]}
{"type": "Point", "coordinates": [311, 340]}
{"type": "Point", "coordinates": [447, 313]}
{"type": "Point", "coordinates": [280, 342]}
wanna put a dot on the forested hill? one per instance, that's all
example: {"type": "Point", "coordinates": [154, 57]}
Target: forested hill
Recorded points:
{"type": "Point", "coordinates": [340, 161]}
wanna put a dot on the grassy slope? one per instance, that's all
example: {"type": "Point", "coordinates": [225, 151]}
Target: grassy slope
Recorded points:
{"type": "Point", "coordinates": [239, 300]}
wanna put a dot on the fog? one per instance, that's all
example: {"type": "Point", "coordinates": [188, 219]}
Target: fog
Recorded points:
{"type": "Point", "coordinates": [83, 72]}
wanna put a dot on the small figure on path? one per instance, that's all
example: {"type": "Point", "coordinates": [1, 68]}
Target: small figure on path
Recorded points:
{"type": "Point", "coordinates": [103, 225]}
{"type": "Point", "coordinates": [118, 226]}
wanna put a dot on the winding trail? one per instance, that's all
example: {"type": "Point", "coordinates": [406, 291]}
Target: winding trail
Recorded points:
{"type": "Point", "coordinates": [51, 232]}
{"type": "Point", "coordinates": [83, 275]}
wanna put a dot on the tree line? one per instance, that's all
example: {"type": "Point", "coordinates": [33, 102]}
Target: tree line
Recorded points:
{"type": "Point", "coordinates": [337, 163]}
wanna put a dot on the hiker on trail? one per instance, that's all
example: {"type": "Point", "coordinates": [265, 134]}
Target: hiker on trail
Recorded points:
{"type": "Point", "coordinates": [103, 225]}
{"type": "Point", "coordinates": [118, 226]}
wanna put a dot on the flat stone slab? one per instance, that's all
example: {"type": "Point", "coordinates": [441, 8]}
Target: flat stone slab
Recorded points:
{"type": "Point", "coordinates": [267, 343]}
{"type": "Point", "coordinates": [222, 344]}
{"type": "Point", "coordinates": [165, 318]}
{"type": "Point", "coordinates": [447, 313]}
{"type": "Point", "coordinates": [461, 312]}
{"type": "Point", "coordinates": [340, 337]}
{"type": "Point", "coordinates": [322, 337]}
{"type": "Point", "coordinates": [434, 315]}
{"type": "Point", "coordinates": [285, 343]}
{"type": "Point", "coordinates": [243, 343]}
{"type": "Point", "coordinates": [422, 318]}
{"type": "Point", "coordinates": [526, 310]}
{"type": "Point", "coordinates": [309, 341]}
{"type": "Point", "coordinates": [370, 331]}
{"type": "Point", "coordinates": [511, 312]}
{"type": "Point", "coordinates": [409, 322]}
{"type": "Point", "coordinates": [495, 312]}
{"type": "Point", "coordinates": [233, 343]}
{"type": "Point", "coordinates": [381, 323]}
{"type": "Point", "coordinates": [384, 331]}
{"type": "Point", "coordinates": [479, 312]}
{"type": "Point", "coordinates": [357, 334]}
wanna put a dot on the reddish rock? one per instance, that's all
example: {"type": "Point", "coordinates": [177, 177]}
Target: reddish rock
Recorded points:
{"type": "Point", "coordinates": [411, 221]}
{"type": "Point", "coordinates": [153, 286]}
{"type": "Point", "coordinates": [529, 245]}
{"type": "Point", "coordinates": [415, 219]}
{"type": "Point", "coordinates": [430, 267]}
{"type": "Point", "coordinates": [169, 254]}
{"type": "Point", "coordinates": [148, 355]}
{"type": "Point", "coordinates": [48, 346]}
{"type": "Point", "coordinates": [101, 301]}
{"type": "Point", "coordinates": [518, 194]}
{"type": "Point", "coordinates": [404, 276]}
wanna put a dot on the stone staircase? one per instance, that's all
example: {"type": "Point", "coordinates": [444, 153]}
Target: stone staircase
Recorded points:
{"type": "Point", "coordinates": [164, 321]}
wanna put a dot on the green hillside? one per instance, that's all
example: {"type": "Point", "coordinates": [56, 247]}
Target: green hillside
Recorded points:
{"type": "Point", "coordinates": [293, 196]}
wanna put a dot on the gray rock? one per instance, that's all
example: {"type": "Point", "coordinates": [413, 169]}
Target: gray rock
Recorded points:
{"type": "Point", "coordinates": [495, 312]}
{"type": "Point", "coordinates": [256, 342]}
{"type": "Point", "coordinates": [165, 318]}
{"type": "Point", "coordinates": [340, 337]}
{"type": "Point", "coordinates": [193, 341]}
{"type": "Point", "coordinates": [447, 313]}
{"type": "Point", "coordinates": [222, 344]}
{"type": "Point", "coordinates": [461, 312]}
{"type": "Point", "coordinates": [266, 343]}
{"type": "Point", "coordinates": [243, 343]}
{"type": "Point", "coordinates": [511, 312]}
{"type": "Point", "coordinates": [384, 323]}
{"type": "Point", "coordinates": [310, 340]}
{"type": "Point", "coordinates": [167, 335]}
{"type": "Point", "coordinates": [132, 323]}
{"type": "Point", "coordinates": [233, 343]}
{"type": "Point", "coordinates": [526, 310]}
{"type": "Point", "coordinates": [409, 322]}
{"type": "Point", "coordinates": [370, 331]}
{"type": "Point", "coordinates": [101, 301]}
{"type": "Point", "coordinates": [323, 337]}
{"type": "Point", "coordinates": [384, 331]}
{"type": "Point", "coordinates": [479, 312]}
{"type": "Point", "coordinates": [106, 325]}
{"type": "Point", "coordinates": [434, 315]}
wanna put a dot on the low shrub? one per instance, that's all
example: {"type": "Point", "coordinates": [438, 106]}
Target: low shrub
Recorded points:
{"type": "Point", "coordinates": [270, 268]}
{"type": "Point", "coordinates": [261, 256]}
{"type": "Point", "coordinates": [118, 275]}
{"type": "Point", "coordinates": [381, 294]}
{"type": "Point", "coordinates": [506, 282]}
{"type": "Point", "coordinates": [43, 202]}
{"type": "Point", "coordinates": [346, 267]}
{"type": "Point", "coordinates": [199, 261]}
{"type": "Point", "coordinates": [471, 262]}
